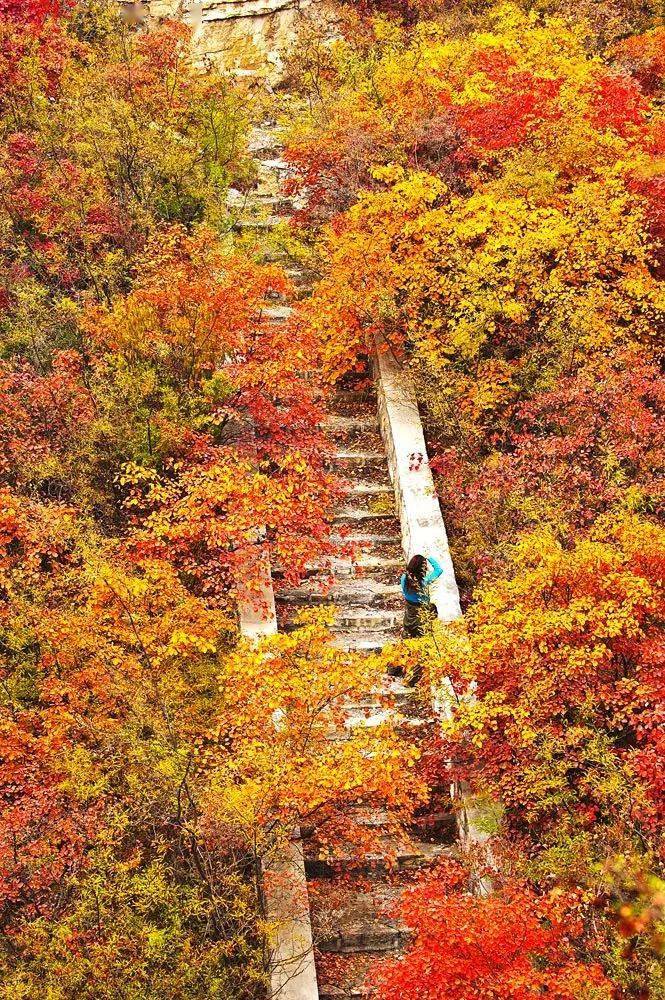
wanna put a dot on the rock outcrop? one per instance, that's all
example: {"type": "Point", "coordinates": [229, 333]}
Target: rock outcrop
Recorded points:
{"type": "Point", "coordinates": [247, 36]}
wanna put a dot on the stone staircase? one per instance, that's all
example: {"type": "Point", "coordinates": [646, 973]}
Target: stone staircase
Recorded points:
{"type": "Point", "coordinates": [362, 580]}
{"type": "Point", "coordinates": [352, 895]}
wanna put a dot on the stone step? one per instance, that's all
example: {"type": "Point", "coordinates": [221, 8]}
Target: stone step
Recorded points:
{"type": "Point", "coordinates": [401, 694]}
{"type": "Point", "coordinates": [368, 620]}
{"type": "Point", "coordinates": [297, 599]}
{"type": "Point", "coordinates": [367, 707]}
{"type": "Point", "coordinates": [346, 977]}
{"type": "Point", "coordinates": [436, 827]}
{"type": "Point", "coordinates": [370, 701]}
{"type": "Point", "coordinates": [396, 859]}
{"type": "Point", "coordinates": [258, 224]}
{"type": "Point", "coordinates": [383, 570]}
{"type": "Point", "coordinates": [353, 404]}
{"type": "Point", "coordinates": [364, 564]}
{"type": "Point", "coordinates": [351, 920]}
{"type": "Point", "coordinates": [368, 711]}
{"type": "Point", "coordinates": [363, 720]}
{"type": "Point", "coordinates": [344, 421]}
{"type": "Point", "coordinates": [372, 818]}
{"type": "Point", "coordinates": [299, 273]}
{"type": "Point", "coordinates": [268, 184]}
{"type": "Point", "coordinates": [287, 609]}
{"type": "Point", "coordinates": [354, 467]}
{"type": "Point", "coordinates": [358, 514]}
{"type": "Point", "coordinates": [281, 204]}
{"type": "Point", "coordinates": [362, 642]}
{"type": "Point", "coordinates": [361, 455]}
{"type": "Point", "coordinates": [355, 477]}
{"type": "Point", "coordinates": [377, 499]}
{"type": "Point", "coordinates": [418, 724]}
{"type": "Point", "coordinates": [237, 199]}
{"type": "Point", "coordinates": [362, 488]}
{"type": "Point", "coordinates": [360, 591]}
{"type": "Point", "coordinates": [277, 313]}
{"type": "Point", "coordinates": [368, 938]}
{"type": "Point", "coordinates": [273, 165]}
{"type": "Point", "coordinates": [355, 393]}
{"type": "Point", "coordinates": [265, 144]}
{"type": "Point", "coordinates": [372, 627]}
{"type": "Point", "coordinates": [350, 438]}
{"type": "Point", "coordinates": [376, 540]}
{"type": "Point", "coordinates": [353, 426]}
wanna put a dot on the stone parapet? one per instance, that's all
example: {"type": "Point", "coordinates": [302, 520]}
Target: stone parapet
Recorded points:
{"type": "Point", "coordinates": [423, 530]}
{"type": "Point", "coordinates": [292, 969]}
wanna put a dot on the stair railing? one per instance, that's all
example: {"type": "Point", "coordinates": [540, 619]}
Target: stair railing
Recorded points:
{"type": "Point", "coordinates": [424, 532]}
{"type": "Point", "coordinates": [291, 963]}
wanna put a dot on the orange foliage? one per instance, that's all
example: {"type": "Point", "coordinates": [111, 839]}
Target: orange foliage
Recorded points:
{"type": "Point", "coordinates": [508, 946]}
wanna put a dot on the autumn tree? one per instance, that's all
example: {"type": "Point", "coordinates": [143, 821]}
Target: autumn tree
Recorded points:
{"type": "Point", "coordinates": [145, 377]}
{"type": "Point", "coordinates": [558, 667]}
{"type": "Point", "coordinates": [485, 199]}
{"type": "Point", "coordinates": [152, 767]}
{"type": "Point", "coordinates": [511, 944]}
{"type": "Point", "coordinates": [517, 262]}
{"type": "Point", "coordinates": [97, 151]}
{"type": "Point", "coordinates": [225, 428]}
{"type": "Point", "coordinates": [155, 418]}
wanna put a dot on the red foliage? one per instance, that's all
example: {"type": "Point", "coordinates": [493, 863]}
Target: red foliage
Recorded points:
{"type": "Point", "coordinates": [644, 56]}
{"type": "Point", "coordinates": [569, 449]}
{"type": "Point", "coordinates": [152, 82]}
{"type": "Point", "coordinates": [520, 101]}
{"type": "Point", "coordinates": [45, 828]}
{"type": "Point", "coordinates": [509, 946]}
{"type": "Point", "coordinates": [33, 45]}
{"type": "Point", "coordinates": [651, 185]}
{"type": "Point", "coordinates": [32, 13]}
{"type": "Point", "coordinates": [61, 216]}
{"type": "Point", "coordinates": [41, 415]}
{"type": "Point", "coordinates": [45, 831]}
{"type": "Point", "coordinates": [617, 102]}
{"type": "Point", "coordinates": [645, 709]}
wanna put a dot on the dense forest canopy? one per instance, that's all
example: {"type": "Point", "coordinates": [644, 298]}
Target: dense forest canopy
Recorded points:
{"type": "Point", "coordinates": [482, 185]}
{"type": "Point", "coordinates": [485, 190]}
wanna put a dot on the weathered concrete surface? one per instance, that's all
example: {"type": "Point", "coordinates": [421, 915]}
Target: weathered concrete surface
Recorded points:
{"type": "Point", "coordinates": [423, 530]}
{"type": "Point", "coordinates": [256, 597]}
{"type": "Point", "coordinates": [293, 971]}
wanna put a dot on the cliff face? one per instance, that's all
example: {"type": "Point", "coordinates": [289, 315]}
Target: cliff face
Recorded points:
{"type": "Point", "coordinates": [249, 36]}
